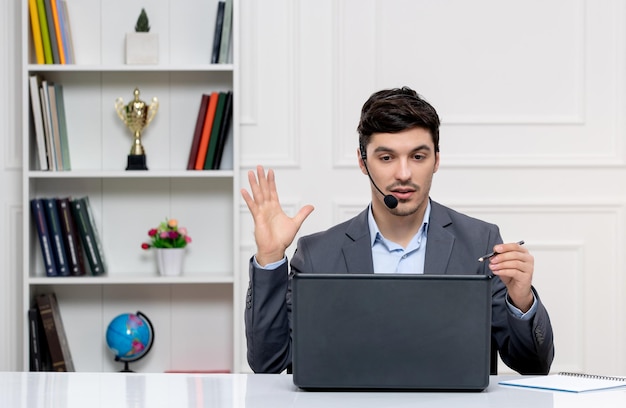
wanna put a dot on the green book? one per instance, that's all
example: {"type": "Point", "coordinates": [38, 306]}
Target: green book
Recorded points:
{"type": "Point", "coordinates": [88, 235]}
{"type": "Point", "coordinates": [215, 131]}
{"type": "Point", "coordinates": [45, 33]}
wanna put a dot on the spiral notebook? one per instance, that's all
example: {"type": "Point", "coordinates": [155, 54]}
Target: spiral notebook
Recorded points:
{"type": "Point", "coordinates": [569, 382]}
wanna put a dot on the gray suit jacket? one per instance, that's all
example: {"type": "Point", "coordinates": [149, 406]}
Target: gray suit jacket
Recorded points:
{"type": "Point", "coordinates": [455, 241]}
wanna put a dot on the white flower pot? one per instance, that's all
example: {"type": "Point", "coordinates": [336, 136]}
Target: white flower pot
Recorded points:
{"type": "Point", "coordinates": [142, 48]}
{"type": "Point", "coordinates": [170, 261]}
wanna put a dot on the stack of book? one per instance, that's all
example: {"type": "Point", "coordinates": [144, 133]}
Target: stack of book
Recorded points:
{"type": "Point", "coordinates": [67, 236]}
{"type": "Point", "coordinates": [212, 127]}
{"type": "Point", "coordinates": [222, 35]}
{"type": "Point", "coordinates": [49, 348]}
{"type": "Point", "coordinates": [51, 34]}
{"type": "Point", "coordinates": [48, 109]}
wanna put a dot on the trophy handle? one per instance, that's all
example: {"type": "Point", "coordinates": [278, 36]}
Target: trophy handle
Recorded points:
{"type": "Point", "coordinates": [152, 110]}
{"type": "Point", "coordinates": [120, 108]}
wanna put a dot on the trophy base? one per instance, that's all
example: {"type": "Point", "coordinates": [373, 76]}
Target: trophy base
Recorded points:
{"type": "Point", "coordinates": [136, 162]}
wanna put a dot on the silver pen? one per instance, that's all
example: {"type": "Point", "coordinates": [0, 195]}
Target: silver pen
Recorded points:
{"type": "Point", "coordinates": [494, 253]}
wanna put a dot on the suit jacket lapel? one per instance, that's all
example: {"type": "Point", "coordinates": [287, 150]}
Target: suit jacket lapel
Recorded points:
{"type": "Point", "coordinates": [357, 250]}
{"type": "Point", "coordinates": [440, 241]}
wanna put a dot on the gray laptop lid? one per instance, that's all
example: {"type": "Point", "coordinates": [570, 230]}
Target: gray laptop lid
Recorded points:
{"type": "Point", "coordinates": [381, 331]}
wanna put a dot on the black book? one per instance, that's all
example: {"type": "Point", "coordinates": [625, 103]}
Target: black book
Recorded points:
{"type": "Point", "coordinates": [39, 217]}
{"type": "Point", "coordinates": [224, 129]}
{"type": "Point", "coordinates": [217, 36]}
{"type": "Point", "coordinates": [71, 239]}
{"type": "Point", "coordinates": [56, 236]}
{"type": "Point", "coordinates": [39, 354]}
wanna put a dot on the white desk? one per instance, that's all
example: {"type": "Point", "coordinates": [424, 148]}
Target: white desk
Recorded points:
{"type": "Point", "coordinates": [129, 390]}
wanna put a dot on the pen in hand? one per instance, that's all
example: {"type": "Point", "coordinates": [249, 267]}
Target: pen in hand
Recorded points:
{"type": "Point", "coordinates": [492, 254]}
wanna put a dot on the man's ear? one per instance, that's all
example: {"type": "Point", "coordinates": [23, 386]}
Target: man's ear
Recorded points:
{"type": "Point", "coordinates": [360, 154]}
{"type": "Point", "coordinates": [436, 163]}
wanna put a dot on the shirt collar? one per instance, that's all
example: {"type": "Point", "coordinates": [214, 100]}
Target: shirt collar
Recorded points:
{"type": "Point", "coordinates": [375, 232]}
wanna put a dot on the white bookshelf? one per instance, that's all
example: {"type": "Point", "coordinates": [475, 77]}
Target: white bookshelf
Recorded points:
{"type": "Point", "coordinates": [195, 315]}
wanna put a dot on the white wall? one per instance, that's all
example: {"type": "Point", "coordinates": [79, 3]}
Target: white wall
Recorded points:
{"type": "Point", "coordinates": [531, 96]}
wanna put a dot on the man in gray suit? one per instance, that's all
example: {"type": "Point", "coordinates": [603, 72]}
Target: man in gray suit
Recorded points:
{"type": "Point", "coordinates": [401, 231]}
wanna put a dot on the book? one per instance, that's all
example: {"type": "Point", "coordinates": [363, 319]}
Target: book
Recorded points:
{"type": "Point", "coordinates": [88, 235]}
{"type": "Point", "coordinates": [206, 131]}
{"type": "Point", "coordinates": [217, 34]}
{"type": "Point", "coordinates": [57, 30]}
{"type": "Point", "coordinates": [40, 137]}
{"type": "Point", "coordinates": [45, 34]}
{"type": "Point", "coordinates": [54, 329]}
{"type": "Point", "coordinates": [197, 134]}
{"type": "Point", "coordinates": [73, 245]}
{"type": "Point", "coordinates": [47, 125]}
{"type": "Point", "coordinates": [62, 127]}
{"type": "Point", "coordinates": [54, 46]}
{"type": "Point", "coordinates": [35, 28]}
{"type": "Point", "coordinates": [38, 345]}
{"type": "Point", "coordinates": [56, 236]}
{"type": "Point", "coordinates": [568, 382]}
{"type": "Point", "coordinates": [224, 130]}
{"type": "Point", "coordinates": [41, 225]}
{"type": "Point", "coordinates": [226, 32]}
{"type": "Point", "coordinates": [54, 126]}
{"type": "Point", "coordinates": [67, 32]}
{"type": "Point", "coordinates": [215, 130]}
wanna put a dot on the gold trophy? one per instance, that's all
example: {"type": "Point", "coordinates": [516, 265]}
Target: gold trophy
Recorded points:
{"type": "Point", "coordinates": [136, 116]}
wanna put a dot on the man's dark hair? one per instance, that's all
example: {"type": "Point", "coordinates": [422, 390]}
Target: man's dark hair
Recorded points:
{"type": "Point", "coordinates": [395, 110]}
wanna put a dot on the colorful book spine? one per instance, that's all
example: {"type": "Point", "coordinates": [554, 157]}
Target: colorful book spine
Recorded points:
{"type": "Point", "coordinates": [55, 332]}
{"type": "Point", "coordinates": [215, 130]}
{"type": "Point", "coordinates": [87, 235]}
{"type": "Point", "coordinates": [40, 137]}
{"type": "Point", "coordinates": [56, 236]}
{"type": "Point", "coordinates": [217, 34]}
{"type": "Point", "coordinates": [56, 17]}
{"type": "Point", "coordinates": [197, 134]}
{"type": "Point", "coordinates": [39, 216]}
{"type": "Point", "coordinates": [71, 239]}
{"type": "Point", "coordinates": [65, 147]}
{"type": "Point", "coordinates": [54, 126]}
{"type": "Point", "coordinates": [36, 31]}
{"type": "Point", "coordinates": [226, 33]}
{"type": "Point", "coordinates": [45, 33]}
{"type": "Point", "coordinates": [224, 131]}
{"type": "Point", "coordinates": [52, 33]}
{"type": "Point", "coordinates": [206, 131]}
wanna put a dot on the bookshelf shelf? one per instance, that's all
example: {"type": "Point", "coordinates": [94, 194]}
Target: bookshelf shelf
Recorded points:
{"type": "Point", "coordinates": [197, 314]}
{"type": "Point", "coordinates": [121, 174]}
{"type": "Point", "coordinates": [130, 68]}
{"type": "Point", "coordinates": [188, 279]}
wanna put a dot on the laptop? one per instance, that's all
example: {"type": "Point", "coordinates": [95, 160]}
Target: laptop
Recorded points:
{"type": "Point", "coordinates": [391, 332]}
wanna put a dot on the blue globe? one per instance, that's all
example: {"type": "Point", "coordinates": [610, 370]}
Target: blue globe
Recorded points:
{"type": "Point", "coordinates": [130, 337]}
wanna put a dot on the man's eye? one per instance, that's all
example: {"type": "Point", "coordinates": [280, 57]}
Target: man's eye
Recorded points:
{"type": "Point", "coordinates": [385, 158]}
{"type": "Point", "coordinates": [418, 157]}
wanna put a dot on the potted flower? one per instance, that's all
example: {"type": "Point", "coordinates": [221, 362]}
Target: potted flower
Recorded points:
{"type": "Point", "coordinates": [142, 47]}
{"type": "Point", "coordinates": [169, 241]}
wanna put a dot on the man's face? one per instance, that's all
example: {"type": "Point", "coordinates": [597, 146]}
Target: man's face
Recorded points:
{"type": "Point", "coordinates": [402, 164]}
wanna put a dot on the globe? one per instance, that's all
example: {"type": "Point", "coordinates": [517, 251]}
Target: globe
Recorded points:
{"type": "Point", "coordinates": [130, 337]}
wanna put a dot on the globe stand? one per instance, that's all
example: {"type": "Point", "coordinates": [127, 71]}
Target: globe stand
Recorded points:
{"type": "Point", "coordinates": [125, 369]}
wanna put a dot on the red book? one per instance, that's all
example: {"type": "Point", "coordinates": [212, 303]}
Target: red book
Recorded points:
{"type": "Point", "coordinates": [206, 131]}
{"type": "Point", "coordinates": [197, 134]}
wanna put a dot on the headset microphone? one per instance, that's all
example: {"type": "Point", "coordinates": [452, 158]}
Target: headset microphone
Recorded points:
{"type": "Point", "coordinates": [390, 201]}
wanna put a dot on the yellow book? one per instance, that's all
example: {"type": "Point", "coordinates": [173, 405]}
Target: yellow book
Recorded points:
{"type": "Point", "coordinates": [36, 30]}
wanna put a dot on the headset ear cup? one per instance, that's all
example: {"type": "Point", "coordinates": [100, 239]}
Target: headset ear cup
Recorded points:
{"type": "Point", "coordinates": [363, 154]}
